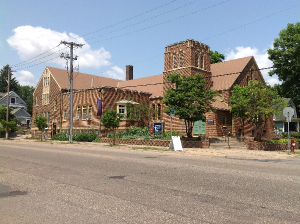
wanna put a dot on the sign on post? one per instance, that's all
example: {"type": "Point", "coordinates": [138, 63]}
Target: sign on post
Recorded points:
{"type": "Point", "coordinates": [288, 112]}
{"type": "Point", "coordinates": [172, 112]}
{"type": "Point", "coordinates": [175, 143]}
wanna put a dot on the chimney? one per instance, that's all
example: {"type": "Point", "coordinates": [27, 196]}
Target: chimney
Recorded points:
{"type": "Point", "coordinates": [129, 72]}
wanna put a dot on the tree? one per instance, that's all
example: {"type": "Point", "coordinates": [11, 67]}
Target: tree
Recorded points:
{"type": "Point", "coordinates": [215, 57]}
{"type": "Point", "coordinates": [286, 57]}
{"type": "Point", "coordinates": [41, 124]}
{"type": "Point", "coordinates": [12, 121]}
{"type": "Point", "coordinates": [259, 102]}
{"type": "Point", "coordinates": [189, 98]}
{"type": "Point", "coordinates": [26, 94]}
{"type": "Point", "coordinates": [139, 112]}
{"type": "Point", "coordinates": [14, 85]}
{"type": "Point", "coordinates": [111, 120]}
{"type": "Point", "coordinates": [239, 102]}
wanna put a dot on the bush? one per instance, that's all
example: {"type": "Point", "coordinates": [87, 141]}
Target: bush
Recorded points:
{"type": "Point", "coordinates": [284, 140]}
{"type": "Point", "coordinates": [60, 137]}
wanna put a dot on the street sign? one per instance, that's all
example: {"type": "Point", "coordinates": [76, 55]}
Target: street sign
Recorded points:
{"type": "Point", "coordinates": [288, 112]}
{"type": "Point", "coordinates": [172, 112]}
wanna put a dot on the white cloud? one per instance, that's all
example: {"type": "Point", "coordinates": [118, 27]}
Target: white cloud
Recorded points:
{"type": "Point", "coordinates": [31, 41]}
{"type": "Point", "coordinates": [261, 59]}
{"type": "Point", "coordinates": [25, 78]}
{"type": "Point", "coordinates": [116, 73]}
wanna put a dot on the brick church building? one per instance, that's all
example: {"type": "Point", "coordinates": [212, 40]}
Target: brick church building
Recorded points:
{"type": "Point", "coordinates": [51, 96]}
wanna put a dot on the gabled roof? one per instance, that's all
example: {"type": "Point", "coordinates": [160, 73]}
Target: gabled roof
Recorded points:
{"type": "Point", "coordinates": [220, 105]}
{"type": "Point", "coordinates": [144, 84]}
{"type": "Point", "coordinates": [227, 67]}
{"type": "Point", "coordinates": [81, 80]}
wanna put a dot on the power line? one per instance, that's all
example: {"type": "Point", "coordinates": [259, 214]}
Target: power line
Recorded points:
{"type": "Point", "coordinates": [158, 24]}
{"type": "Point", "coordinates": [153, 17]}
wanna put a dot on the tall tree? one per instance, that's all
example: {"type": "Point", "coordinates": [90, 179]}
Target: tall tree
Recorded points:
{"type": "Point", "coordinates": [216, 57]}
{"type": "Point", "coordinates": [189, 98]}
{"type": "Point", "coordinates": [262, 102]}
{"type": "Point", "coordinates": [26, 94]}
{"type": "Point", "coordinates": [239, 104]}
{"type": "Point", "coordinates": [41, 124]}
{"type": "Point", "coordinates": [111, 120]}
{"type": "Point", "coordinates": [286, 57]}
{"type": "Point", "coordinates": [14, 84]}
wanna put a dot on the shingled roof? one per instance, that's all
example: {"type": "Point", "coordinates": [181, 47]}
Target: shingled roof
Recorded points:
{"type": "Point", "coordinates": [227, 67]}
{"type": "Point", "coordinates": [147, 84]}
{"type": "Point", "coordinates": [81, 80]}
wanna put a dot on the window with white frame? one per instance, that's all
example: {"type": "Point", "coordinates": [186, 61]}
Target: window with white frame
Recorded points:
{"type": "Point", "coordinates": [12, 100]}
{"type": "Point", "coordinates": [83, 112]}
{"type": "Point", "coordinates": [90, 112]}
{"type": "Point", "coordinates": [78, 112]}
{"type": "Point", "coordinates": [121, 109]}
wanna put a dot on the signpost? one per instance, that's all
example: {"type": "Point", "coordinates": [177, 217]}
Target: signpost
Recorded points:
{"type": "Point", "coordinates": [172, 114]}
{"type": "Point", "coordinates": [288, 112]}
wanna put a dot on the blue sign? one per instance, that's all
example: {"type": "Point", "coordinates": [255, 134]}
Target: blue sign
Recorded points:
{"type": "Point", "coordinates": [157, 127]}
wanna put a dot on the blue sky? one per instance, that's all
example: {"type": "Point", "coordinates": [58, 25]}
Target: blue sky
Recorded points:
{"type": "Point", "coordinates": [116, 33]}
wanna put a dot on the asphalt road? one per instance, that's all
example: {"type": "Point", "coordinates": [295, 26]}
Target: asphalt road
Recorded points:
{"type": "Point", "coordinates": [71, 183]}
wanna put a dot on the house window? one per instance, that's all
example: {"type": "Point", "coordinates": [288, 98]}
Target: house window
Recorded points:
{"type": "Point", "coordinates": [65, 115]}
{"type": "Point", "coordinates": [247, 80]}
{"type": "Point", "coordinates": [252, 133]}
{"type": "Point", "coordinates": [197, 60]}
{"type": "Point", "coordinates": [153, 111]}
{"type": "Point", "coordinates": [90, 112]}
{"type": "Point", "coordinates": [224, 120]}
{"type": "Point", "coordinates": [121, 109]}
{"type": "Point", "coordinates": [46, 81]}
{"type": "Point", "coordinates": [83, 112]}
{"type": "Point", "coordinates": [78, 113]}
{"type": "Point", "coordinates": [174, 61]}
{"type": "Point", "coordinates": [55, 104]}
{"type": "Point", "coordinates": [45, 98]}
{"type": "Point", "coordinates": [12, 100]}
{"type": "Point", "coordinates": [158, 111]}
{"type": "Point", "coordinates": [180, 59]}
{"type": "Point", "coordinates": [36, 100]}
{"type": "Point", "coordinates": [202, 61]}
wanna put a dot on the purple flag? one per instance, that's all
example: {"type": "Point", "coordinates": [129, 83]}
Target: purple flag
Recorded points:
{"type": "Point", "coordinates": [99, 108]}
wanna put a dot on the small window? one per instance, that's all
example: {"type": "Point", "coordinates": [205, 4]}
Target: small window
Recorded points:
{"type": "Point", "coordinates": [83, 112]}
{"type": "Point", "coordinates": [202, 61]}
{"type": "Point", "coordinates": [36, 100]}
{"type": "Point", "coordinates": [197, 60]}
{"type": "Point", "coordinates": [90, 112]}
{"type": "Point", "coordinates": [65, 115]}
{"type": "Point", "coordinates": [224, 120]}
{"type": "Point", "coordinates": [48, 117]}
{"type": "Point", "coordinates": [174, 61]}
{"type": "Point", "coordinates": [252, 133]}
{"type": "Point", "coordinates": [78, 114]}
{"type": "Point", "coordinates": [264, 133]}
{"type": "Point", "coordinates": [12, 100]}
{"type": "Point", "coordinates": [121, 109]}
{"type": "Point", "coordinates": [240, 132]}
{"type": "Point", "coordinates": [247, 80]}
{"type": "Point", "coordinates": [55, 104]}
{"type": "Point", "coordinates": [180, 59]}
{"type": "Point", "coordinates": [158, 111]}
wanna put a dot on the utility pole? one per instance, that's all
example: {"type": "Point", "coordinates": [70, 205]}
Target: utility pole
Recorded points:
{"type": "Point", "coordinates": [7, 103]}
{"type": "Point", "coordinates": [71, 46]}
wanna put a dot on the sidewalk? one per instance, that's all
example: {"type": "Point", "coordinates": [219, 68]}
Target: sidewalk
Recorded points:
{"type": "Point", "coordinates": [211, 152]}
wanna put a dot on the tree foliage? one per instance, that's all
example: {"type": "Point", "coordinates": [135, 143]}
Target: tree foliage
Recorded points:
{"type": "Point", "coordinates": [286, 57]}
{"type": "Point", "coordinates": [216, 57]}
{"type": "Point", "coordinates": [41, 124]}
{"type": "Point", "coordinates": [12, 121]}
{"type": "Point", "coordinates": [256, 102]}
{"type": "Point", "coordinates": [139, 113]}
{"type": "Point", "coordinates": [189, 98]}
{"type": "Point", "coordinates": [26, 94]}
{"type": "Point", "coordinates": [14, 85]}
{"type": "Point", "coordinates": [111, 120]}
{"type": "Point", "coordinates": [239, 102]}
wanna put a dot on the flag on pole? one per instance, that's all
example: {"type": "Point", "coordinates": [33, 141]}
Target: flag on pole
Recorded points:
{"type": "Point", "coordinates": [99, 108]}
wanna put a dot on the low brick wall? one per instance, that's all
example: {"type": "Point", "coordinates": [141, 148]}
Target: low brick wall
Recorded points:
{"type": "Point", "coordinates": [155, 142]}
{"type": "Point", "coordinates": [271, 146]}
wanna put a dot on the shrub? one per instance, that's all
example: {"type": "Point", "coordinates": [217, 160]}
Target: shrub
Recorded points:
{"type": "Point", "coordinates": [60, 137]}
